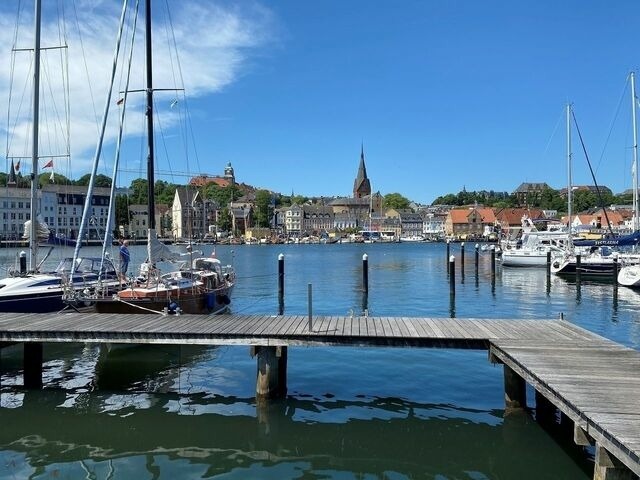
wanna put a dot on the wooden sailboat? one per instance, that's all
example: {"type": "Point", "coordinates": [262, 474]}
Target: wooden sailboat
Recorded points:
{"type": "Point", "coordinates": [204, 286]}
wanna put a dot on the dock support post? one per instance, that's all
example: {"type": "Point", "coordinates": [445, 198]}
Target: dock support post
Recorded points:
{"type": "Point", "coordinates": [615, 272]}
{"type": "Point", "coordinates": [452, 275]}
{"type": "Point", "coordinates": [32, 358]}
{"type": "Point", "coordinates": [548, 272]}
{"type": "Point", "coordinates": [515, 391]}
{"type": "Point", "coordinates": [281, 284]}
{"type": "Point", "coordinates": [462, 257]}
{"type": "Point", "coordinates": [271, 379]}
{"type": "Point", "coordinates": [607, 467]}
{"type": "Point", "coordinates": [365, 273]}
{"type": "Point", "coordinates": [578, 268]}
{"type": "Point", "coordinates": [545, 410]}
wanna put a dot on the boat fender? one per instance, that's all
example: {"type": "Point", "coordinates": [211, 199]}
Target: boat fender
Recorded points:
{"type": "Point", "coordinates": [223, 299]}
{"type": "Point", "coordinates": [173, 307]}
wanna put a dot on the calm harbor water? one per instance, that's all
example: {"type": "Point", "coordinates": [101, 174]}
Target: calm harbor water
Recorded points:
{"type": "Point", "coordinates": [350, 413]}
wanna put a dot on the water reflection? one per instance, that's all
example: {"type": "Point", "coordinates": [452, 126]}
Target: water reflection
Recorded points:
{"type": "Point", "coordinates": [409, 439]}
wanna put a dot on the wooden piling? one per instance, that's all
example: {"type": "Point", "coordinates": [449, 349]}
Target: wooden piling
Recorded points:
{"type": "Point", "coordinates": [32, 358]}
{"type": "Point", "coordinates": [271, 378]}
{"type": "Point", "coordinates": [281, 284]}
{"type": "Point", "coordinates": [365, 273]}
{"type": "Point", "coordinates": [515, 392]}
{"type": "Point", "coordinates": [578, 268]}
{"type": "Point", "coordinates": [477, 257]}
{"type": "Point", "coordinates": [448, 254]}
{"type": "Point", "coordinates": [462, 257]}
{"type": "Point", "coordinates": [615, 272]}
{"type": "Point", "coordinates": [493, 260]}
{"type": "Point", "coordinates": [452, 275]}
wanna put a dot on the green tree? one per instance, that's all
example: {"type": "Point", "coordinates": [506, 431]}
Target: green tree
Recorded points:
{"type": "Point", "coordinates": [139, 191]}
{"type": "Point", "coordinates": [224, 220]}
{"type": "Point", "coordinates": [100, 180]}
{"type": "Point", "coordinates": [264, 209]}
{"type": "Point", "coordinates": [396, 201]}
{"type": "Point", "coordinates": [122, 214]}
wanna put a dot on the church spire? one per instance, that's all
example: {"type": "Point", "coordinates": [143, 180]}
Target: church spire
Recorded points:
{"type": "Point", "coordinates": [11, 180]}
{"type": "Point", "coordinates": [361, 186]}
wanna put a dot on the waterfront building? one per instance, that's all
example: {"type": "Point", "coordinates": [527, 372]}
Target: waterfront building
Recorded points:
{"type": "Point", "coordinates": [344, 221]}
{"type": "Point", "coordinates": [293, 219]}
{"type": "Point", "coordinates": [317, 219]}
{"type": "Point", "coordinates": [241, 217]}
{"type": "Point", "coordinates": [433, 224]}
{"type": "Point", "coordinates": [464, 222]}
{"type": "Point", "coordinates": [528, 192]}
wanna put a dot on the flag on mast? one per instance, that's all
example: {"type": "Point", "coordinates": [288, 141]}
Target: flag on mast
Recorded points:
{"type": "Point", "coordinates": [49, 164]}
{"type": "Point", "coordinates": [17, 167]}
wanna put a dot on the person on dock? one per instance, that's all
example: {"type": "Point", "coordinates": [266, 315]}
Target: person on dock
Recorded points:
{"type": "Point", "coordinates": [124, 260]}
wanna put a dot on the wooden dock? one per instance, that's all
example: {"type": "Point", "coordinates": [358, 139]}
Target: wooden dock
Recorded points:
{"type": "Point", "coordinates": [592, 381]}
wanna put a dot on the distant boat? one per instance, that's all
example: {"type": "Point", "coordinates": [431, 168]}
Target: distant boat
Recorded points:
{"type": "Point", "coordinates": [629, 276]}
{"type": "Point", "coordinates": [412, 238]}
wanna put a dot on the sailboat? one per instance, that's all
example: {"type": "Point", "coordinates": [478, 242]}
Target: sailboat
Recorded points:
{"type": "Point", "coordinates": [598, 257]}
{"type": "Point", "coordinates": [203, 286]}
{"type": "Point", "coordinates": [29, 289]}
{"type": "Point", "coordinates": [629, 274]}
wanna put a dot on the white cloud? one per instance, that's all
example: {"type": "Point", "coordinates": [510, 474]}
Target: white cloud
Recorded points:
{"type": "Point", "coordinates": [214, 43]}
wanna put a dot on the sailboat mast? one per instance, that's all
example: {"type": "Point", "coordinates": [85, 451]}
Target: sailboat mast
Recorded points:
{"type": "Point", "coordinates": [635, 153]}
{"type": "Point", "coordinates": [33, 241]}
{"type": "Point", "coordinates": [569, 185]}
{"type": "Point", "coordinates": [150, 173]}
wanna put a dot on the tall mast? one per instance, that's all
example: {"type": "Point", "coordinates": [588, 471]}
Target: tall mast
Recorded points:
{"type": "Point", "coordinates": [569, 186]}
{"type": "Point", "coordinates": [33, 241]}
{"type": "Point", "coordinates": [150, 173]}
{"type": "Point", "coordinates": [635, 153]}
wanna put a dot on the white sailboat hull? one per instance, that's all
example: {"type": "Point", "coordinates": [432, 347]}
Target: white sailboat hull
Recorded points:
{"type": "Point", "coordinates": [629, 276]}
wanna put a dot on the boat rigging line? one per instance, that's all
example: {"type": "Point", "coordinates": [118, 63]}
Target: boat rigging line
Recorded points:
{"type": "Point", "coordinates": [593, 176]}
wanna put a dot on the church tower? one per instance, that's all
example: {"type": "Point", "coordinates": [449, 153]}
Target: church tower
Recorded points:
{"type": "Point", "coordinates": [361, 186]}
{"type": "Point", "coordinates": [228, 173]}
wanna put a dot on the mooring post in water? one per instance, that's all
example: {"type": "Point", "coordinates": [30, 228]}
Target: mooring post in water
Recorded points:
{"type": "Point", "coordinates": [578, 268]}
{"type": "Point", "coordinates": [452, 275]}
{"type": "Point", "coordinates": [515, 390]}
{"type": "Point", "coordinates": [462, 256]}
{"type": "Point", "coordinates": [271, 378]}
{"type": "Point", "coordinates": [23, 262]}
{"type": "Point", "coordinates": [493, 260]}
{"type": "Point", "coordinates": [615, 272]}
{"type": "Point", "coordinates": [281, 284]}
{"type": "Point", "coordinates": [477, 256]}
{"type": "Point", "coordinates": [365, 273]}
{"type": "Point", "coordinates": [448, 255]}
{"type": "Point", "coordinates": [310, 305]}
{"type": "Point", "coordinates": [32, 358]}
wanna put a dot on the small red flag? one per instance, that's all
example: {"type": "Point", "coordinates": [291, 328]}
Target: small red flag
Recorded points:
{"type": "Point", "coordinates": [49, 164]}
{"type": "Point", "coordinates": [17, 167]}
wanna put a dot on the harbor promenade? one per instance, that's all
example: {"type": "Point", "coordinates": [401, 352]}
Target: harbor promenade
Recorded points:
{"type": "Point", "coordinates": [586, 379]}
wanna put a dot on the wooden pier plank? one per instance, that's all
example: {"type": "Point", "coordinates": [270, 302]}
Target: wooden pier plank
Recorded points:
{"type": "Point", "coordinates": [588, 377]}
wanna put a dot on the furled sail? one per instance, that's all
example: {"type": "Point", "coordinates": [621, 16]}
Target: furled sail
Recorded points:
{"type": "Point", "coordinates": [158, 251]}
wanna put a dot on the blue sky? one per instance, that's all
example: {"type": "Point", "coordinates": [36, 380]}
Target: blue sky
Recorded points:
{"type": "Point", "coordinates": [443, 94]}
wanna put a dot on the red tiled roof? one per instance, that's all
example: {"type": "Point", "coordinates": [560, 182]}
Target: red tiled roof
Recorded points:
{"type": "Point", "coordinates": [203, 180]}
